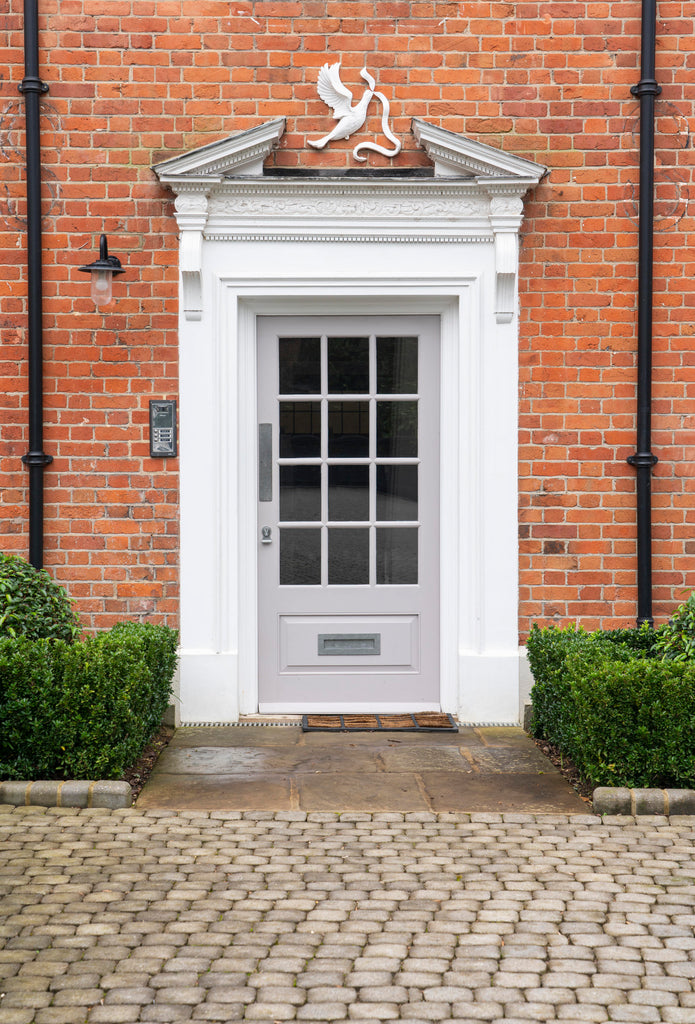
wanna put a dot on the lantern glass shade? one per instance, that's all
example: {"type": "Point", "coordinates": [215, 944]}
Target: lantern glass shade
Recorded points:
{"type": "Point", "coordinates": [102, 272]}
{"type": "Point", "coordinates": [102, 286]}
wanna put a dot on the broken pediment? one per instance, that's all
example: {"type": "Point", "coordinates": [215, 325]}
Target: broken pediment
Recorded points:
{"type": "Point", "coordinates": [475, 195]}
{"type": "Point", "coordinates": [455, 155]}
{"type": "Point", "coordinates": [242, 153]}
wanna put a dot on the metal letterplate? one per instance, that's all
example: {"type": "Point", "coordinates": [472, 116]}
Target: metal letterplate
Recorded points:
{"type": "Point", "coordinates": [337, 644]}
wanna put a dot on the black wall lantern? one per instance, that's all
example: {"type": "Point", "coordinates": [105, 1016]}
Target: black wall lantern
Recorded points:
{"type": "Point", "coordinates": [103, 271]}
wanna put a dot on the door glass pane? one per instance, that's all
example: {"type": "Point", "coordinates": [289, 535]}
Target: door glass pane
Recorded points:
{"type": "Point", "coordinates": [396, 556]}
{"type": "Point", "coordinates": [348, 556]}
{"type": "Point", "coordinates": [348, 430]}
{"type": "Point", "coordinates": [396, 366]}
{"type": "Point", "coordinates": [300, 366]}
{"type": "Point", "coordinates": [300, 558]}
{"type": "Point", "coordinates": [300, 430]}
{"type": "Point", "coordinates": [348, 366]}
{"type": "Point", "coordinates": [396, 492]}
{"type": "Point", "coordinates": [300, 493]}
{"type": "Point", "coordinates": [396, 429]}
{"type": "Point", "coordinates": [348, 493]}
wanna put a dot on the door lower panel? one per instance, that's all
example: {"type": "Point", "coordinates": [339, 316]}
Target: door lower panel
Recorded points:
{"type": "Point", "coordinates": [304, 648]}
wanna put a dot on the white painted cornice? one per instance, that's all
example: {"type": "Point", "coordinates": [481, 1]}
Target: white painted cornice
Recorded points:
{"type": "Point", "coordinates": [475, 196]}
{"type": "Point", "coordinates": [242, 153]}
{"type": "Point", "coordinates": [454, 155]}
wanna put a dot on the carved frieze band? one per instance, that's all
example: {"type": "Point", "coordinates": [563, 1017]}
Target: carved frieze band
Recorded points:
{"type": "Point", "coordinates": [344, 206]}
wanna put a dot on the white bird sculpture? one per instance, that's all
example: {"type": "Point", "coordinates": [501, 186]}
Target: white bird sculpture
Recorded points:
{"type": "Point", "coordinates": [337, 96]}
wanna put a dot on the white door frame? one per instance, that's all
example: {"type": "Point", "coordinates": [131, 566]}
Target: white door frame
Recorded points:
{"type": "Point", "coordinates": [370, 297]}
{"type": "Point", "coordinates": [479, 671]}
{"type": "Point", "coordinates": [257, 245]}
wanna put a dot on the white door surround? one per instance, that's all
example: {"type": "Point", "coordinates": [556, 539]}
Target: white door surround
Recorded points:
{"type": "Point", "coordinates": [254, 245]}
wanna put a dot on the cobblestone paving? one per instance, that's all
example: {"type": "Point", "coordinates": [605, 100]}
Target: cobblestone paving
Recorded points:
{"type": "Point", "coordinates": [118, 916]}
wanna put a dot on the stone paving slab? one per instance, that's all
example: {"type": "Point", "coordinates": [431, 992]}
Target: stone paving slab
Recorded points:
{"type": "Point", "coordinates": [192, 791]}
{"type": "Point", "coordinates": [534, 793]}
{"type": "Point", "coordinates": [292, 736]}
{"type": "Point", "coordinates": [252, 760]}
{"type": "Point", "coordinates": [268, 767]}
{"type": "Point", "coordinates": [358, 791]}
{"type": "Point", "coordinates": [135, 915]}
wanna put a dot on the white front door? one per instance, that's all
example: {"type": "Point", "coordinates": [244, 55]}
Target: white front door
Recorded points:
{"type": "Point", "coordinates": [348, 527]}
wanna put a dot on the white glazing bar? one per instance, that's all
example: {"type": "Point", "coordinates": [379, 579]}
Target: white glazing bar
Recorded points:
{"type": "Point", "coordinates": [397, 397]}
{"type": "Point", "coordinates": [324, 457]}
{"type": "Point", "coordinates": [372, 457]}
{"type": "Point", "coordinates": [304, 524]}
{"type": "Point", "coordinates": [398, 460]}
{"type": "Point", "coordinates": [418, 410]}
{"type": "Point", "coordinates": [299, 462]}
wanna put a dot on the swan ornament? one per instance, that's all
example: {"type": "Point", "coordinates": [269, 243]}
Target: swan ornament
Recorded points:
{"type": "Point", "coordinates": [351, 118]}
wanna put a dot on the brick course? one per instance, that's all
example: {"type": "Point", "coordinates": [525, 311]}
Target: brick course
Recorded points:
{"type": "Point", "coordinates": [137, 81]}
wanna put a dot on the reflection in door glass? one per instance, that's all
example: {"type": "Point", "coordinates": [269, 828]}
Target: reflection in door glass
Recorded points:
{"type": "Point", "coordinates": [300, 430]}
{"type": "Point", "coordinates": [300, 493]}
{"type": "Point", "coordinates": [300, 558]}
{"type": "Point", "coordinates": [348, 430]}
{"type": "Point", "coordinates": [396, 429]}
{"type": "Point", "coordinates": [300, 366]}
{"type": "Point", "coordinates": [348, 366]}
{"type": "Point", "coordinates": [348, 557]}
{"type": "Point", "coordinates": [396, 493]}
{"type": "Point", "coordinates": [348, 493]}
{"type": "Point", "coordinates": [396, 556]}
{"type": "Point", "coordinates": [396, 366]}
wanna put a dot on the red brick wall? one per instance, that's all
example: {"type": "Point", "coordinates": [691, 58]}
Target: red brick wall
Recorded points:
{"type": "Point", "coordinates": [133, 82]}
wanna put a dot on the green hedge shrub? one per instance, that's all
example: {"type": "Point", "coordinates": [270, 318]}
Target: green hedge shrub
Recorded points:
{"type": "Point", "coordinates": [609, 701]}
{"type": "Point", "coordinates": [32, 604]}
{"type": "Point", "coordinates": [641, 641]}
{"type": "Point", "coordinates": [633, 722]}
{"type": "Point", "coordinates": [676, 640]}
{"type": "Point", "coordinates": [548, 650]}
{"type": "Point", "coordinates": [82, 710]}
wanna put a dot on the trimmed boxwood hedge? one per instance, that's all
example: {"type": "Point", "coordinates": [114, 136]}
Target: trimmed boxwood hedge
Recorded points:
{"type": "Point", "coordinates": [611, 703]}
{"type": "Point", "coordinates": [32, 604]}
{"type": "Point", "coordinates": [82, 710]}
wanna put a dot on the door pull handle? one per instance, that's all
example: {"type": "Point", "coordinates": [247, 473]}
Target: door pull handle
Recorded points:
{"type": "Point", "coordinates": [266, 535]}
{"type": "Point", "coordinates": [265, 462]}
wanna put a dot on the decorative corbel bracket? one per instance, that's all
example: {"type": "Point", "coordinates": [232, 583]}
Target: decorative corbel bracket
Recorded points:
{"type": "Point", "coordinates": [506, 211]}
{"type": "Point", "coordinates": [191, 217]}
{"type": "Point", "coordinates": [193, 176]}
{"type": "Point", "coordinates": [505, 178]}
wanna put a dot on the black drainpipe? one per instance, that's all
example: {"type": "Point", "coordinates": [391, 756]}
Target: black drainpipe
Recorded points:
{"type": "Point", "coordinates": [32, 87]}
{"type": "Point", "coordinates": [647, 90]}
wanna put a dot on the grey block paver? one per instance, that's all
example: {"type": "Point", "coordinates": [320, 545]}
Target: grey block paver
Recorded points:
{"type": "Point", "coordinates": [136, 915]}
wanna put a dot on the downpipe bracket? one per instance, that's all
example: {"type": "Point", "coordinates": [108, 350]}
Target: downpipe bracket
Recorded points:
{"type": "Point", "coordinates": [37, 459]}
{"type": "Point", "coordinates": [32, 84]}
{"type": "Point", "coordinates": [646, 87]}
{"type": "Point", "coordinates": [642, 460]}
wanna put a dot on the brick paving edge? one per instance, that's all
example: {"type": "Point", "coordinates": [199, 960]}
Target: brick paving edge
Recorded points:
{"type": "Point", "coordinates": [80, 793]}
{"type": "Point", "coordinates": [621, 800]}
{"type": "Point", "coordinates": [108, 795]}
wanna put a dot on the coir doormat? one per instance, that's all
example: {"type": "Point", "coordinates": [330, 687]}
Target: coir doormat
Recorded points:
{"type": "Point", "coordinates": [420, 721]}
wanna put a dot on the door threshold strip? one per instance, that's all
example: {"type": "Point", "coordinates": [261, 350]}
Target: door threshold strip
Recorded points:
{"type": "Point", "coordinates": [419, 721]}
